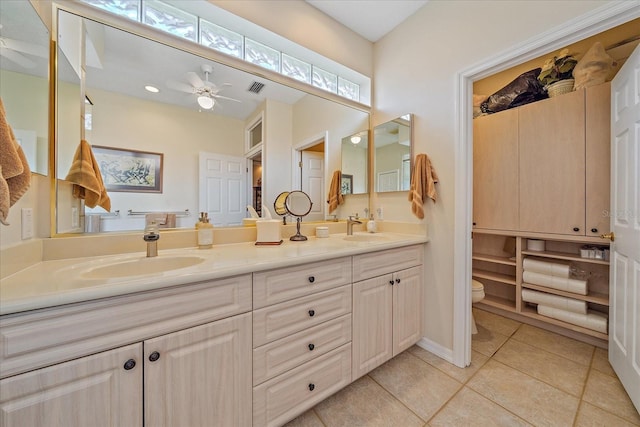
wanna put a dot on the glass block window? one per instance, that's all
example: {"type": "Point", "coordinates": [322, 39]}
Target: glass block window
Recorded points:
{"type": "Point", "coordinates": [261, 55]}
{"type": "Point", "coordinates": [220, 39]}
{"type": "Point", "coordinates": [325, 80]}
{"type": "Point", "coordinates": [296, 68]}
{"type": "Point", "coordinates": [127, 8]}
{"type": "Point", "coordinates": [348, 89]}
{"type": "Point", "coordinates": [170, 19]}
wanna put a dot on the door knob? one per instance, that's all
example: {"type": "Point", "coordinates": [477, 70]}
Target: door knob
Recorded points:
{"type": "Point", "coordinates": [611, 236]}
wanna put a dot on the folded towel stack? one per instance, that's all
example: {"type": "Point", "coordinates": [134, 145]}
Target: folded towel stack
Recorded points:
{"type": "Point", "coordinates": [593, 320]}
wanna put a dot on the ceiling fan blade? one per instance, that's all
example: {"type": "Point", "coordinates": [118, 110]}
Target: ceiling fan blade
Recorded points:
{"type": "Point", "coordinates": [16, 57]}
{"type": "Point", "coordinates": [194, 79]}
{"type": "Point", "coordinates": [215, 95]}
{"type": "Point", "coordinates": [25, 47]}
{"type": "Point", "coordinates": [180, 86]}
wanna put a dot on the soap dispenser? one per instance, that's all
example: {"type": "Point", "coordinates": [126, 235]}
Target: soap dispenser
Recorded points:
{"type": "Point", "coordinates": [205, 231]}
{"type": "Point", "coordinates": [371, 225]}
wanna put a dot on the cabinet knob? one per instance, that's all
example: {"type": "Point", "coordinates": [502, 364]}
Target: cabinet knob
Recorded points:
{"type": "Point", "coordinates": [474, 224]}
{"type": "Point", "coordinates": [129, 364]}
{"type": "Point", "coordinates": [594, 230]}
{"type": "Point", "coordinates": [576, 229]}
{"type": "Point", "coordinates": [391, 282]}
{"type": "Point", "coordinates": [312, 386]}
{"type": "Point", "coordinates": [311, 347]}
{"type": "Point", "coordinates": [398, 280]}
{"type": "Point", "coordinates": [312, 279]}
{"type": "Point", "coordinates": [312, 313]}
{"type": "Point", "coordinates": [154, 356]}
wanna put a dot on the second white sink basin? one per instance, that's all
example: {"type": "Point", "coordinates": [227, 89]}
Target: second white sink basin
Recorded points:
{"type": "Point", "coordinates": [366, 237]}
{"type": "Point", "coordinates": [141, 266]}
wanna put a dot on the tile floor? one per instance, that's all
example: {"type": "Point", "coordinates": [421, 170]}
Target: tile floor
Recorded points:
{"type": "Point", "coordinates": [520, 375]}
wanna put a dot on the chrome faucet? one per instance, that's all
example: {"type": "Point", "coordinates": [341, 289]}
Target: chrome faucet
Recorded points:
{"type": "Point", "coordinates": [350, 221]}
{"type": "Point", "coordinates": [151, 236]}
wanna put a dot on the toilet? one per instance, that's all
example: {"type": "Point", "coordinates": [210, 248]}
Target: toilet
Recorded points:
{"type": "Point", "coordinates": [477, 294]}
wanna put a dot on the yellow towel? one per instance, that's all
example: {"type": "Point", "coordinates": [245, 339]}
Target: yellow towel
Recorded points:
{"type": "Point", "coordinates": [423, 182]}
{"type": "Point", "coordinates": [15, 175]}
{"type": "Point", "coordinates": [335, 191]}
{"type": "Point", "coordinates": [85, 176]}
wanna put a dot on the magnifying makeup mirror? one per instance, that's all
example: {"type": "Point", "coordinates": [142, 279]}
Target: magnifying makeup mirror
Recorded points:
{"type": "Point", "coordinates": [298, 204]}
{"type": "Point", "coordinates": [280, 207]}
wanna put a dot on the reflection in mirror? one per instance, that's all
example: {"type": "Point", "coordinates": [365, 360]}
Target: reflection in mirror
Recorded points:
{"type": "Point", "coordinates": [214, 160]}
{"type": "Point", "coordinates": [392, 143]}
{"type": "Point", "coordinates": [24, 82]}
{"type": "Point", "coordinates": [355, 154]}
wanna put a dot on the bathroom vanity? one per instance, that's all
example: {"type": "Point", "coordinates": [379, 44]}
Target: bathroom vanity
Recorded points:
{"type": "Point", "coordinates": [248, 336]}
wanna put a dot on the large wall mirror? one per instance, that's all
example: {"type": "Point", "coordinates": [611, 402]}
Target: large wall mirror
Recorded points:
{"type": "Point", "coordinates": [24, 79]}
{"type": "Point", "coordinates": [392, 143]}
{"type": "Point", "coordinates": [208, 155]}
{"type": "Point", "coordinates": [355, 158]}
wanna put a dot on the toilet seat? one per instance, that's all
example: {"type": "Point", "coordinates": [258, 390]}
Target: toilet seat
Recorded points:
{"type": "Point", "coordinates": [477, 291]}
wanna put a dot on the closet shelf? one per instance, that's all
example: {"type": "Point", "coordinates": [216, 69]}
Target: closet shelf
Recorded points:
{"type": "Point", "coordinates": [593, 297]}
{"type": "Point", "coordinates": [497, 302]}
{"type": "Point", "coordinates": [496, 277]}
{"type": "Point", "coordinates": [532, 313]}
{"type": "Point", "coordinates": [494, 259]}
{"type": "Point", "coordinates": [565, 256]}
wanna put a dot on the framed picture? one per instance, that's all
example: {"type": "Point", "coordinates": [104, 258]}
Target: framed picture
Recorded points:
{"type": "Point", "coordinates": [129, 170]}
{"type": "Point", "coordinates": [346, 184]}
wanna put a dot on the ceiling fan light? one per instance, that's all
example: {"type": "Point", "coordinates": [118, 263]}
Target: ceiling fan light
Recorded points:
{"type": "Point", "coordinates": [152, 89]}
{"type": "Point", "coordinates": [205, 102]}
{"type": "Point", "coordinates": [356, 139]}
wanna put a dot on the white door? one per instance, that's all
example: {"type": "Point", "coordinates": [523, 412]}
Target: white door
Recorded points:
{"type": "Point", "coordinates": [313, 183]}
{"type": "Point", "coordinates": [388, 181]}
{"type": "Point", "coordinates": [222, 189]}
{"type": "Point", "coordinates": [624, 321]}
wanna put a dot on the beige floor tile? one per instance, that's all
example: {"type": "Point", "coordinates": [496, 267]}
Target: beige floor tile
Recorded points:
{"type": "Point", "coordinates": [486, 341]}
{"type": "Point", "coordinates": [592, 416]}
{"type": "Point", "coordinates": [495, 323]}
{"type": "Point", "coordinates": [468, 408]}
{"type": "Point", "coordinates": [418, 385]}
{"type": "Point", "coordinates": [525, 396]}
{"type": "Point", "coordinates": [555, 370]}
{"type": "Point", "coordinates": [460, 374]}
{"type": "Point", "coordinates": [606, 392]}
{"type": "Point", "coordinates": [562, 346]}
{"type": "Point", "coordinates": [601, 362]}
{"type": "Point", "coordinates": [365, 403]}
{"type": "Point", "coordinates": [308, 419]}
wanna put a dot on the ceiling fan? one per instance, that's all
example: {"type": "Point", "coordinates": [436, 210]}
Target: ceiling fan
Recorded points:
{"type": "Point", "coordinates": [206, 91]}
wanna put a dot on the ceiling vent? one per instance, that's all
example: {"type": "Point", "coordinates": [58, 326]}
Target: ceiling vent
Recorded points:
{"type": "Point", "coordinates": [256, 87]}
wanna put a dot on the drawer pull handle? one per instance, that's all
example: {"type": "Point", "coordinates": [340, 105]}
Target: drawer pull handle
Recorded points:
{"type": "Point", "coordinates": [594, 230]}
{"type": "Point", "coordinates": [391, 282]}
{"type": "Point", "coordinates": [154, 356]}
{"type": "Point", "coordinates": [311, 347]}
{"type": "Point", "coordinates": [312, 279]}
{"type": "Point", "coordinates": [129, 364]}
{"type": "Point", "coordinates": [312, 386]}
{"type": "Point", "coordinates": [398, 280]}
{"type": "Point", "coordinates": [312, 313]}
{"type": "Point", "coordinates": [576, 229]}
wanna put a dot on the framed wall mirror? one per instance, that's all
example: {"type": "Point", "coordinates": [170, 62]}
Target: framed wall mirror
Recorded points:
{"type": "Point", "coordinates": [197, 143]}
{"type": "Point", "coordinates": [393, 148]}
{"type": "Point", "coordinates": [24, 80]}
{"type": "Point", "coordinates": [355, 160]}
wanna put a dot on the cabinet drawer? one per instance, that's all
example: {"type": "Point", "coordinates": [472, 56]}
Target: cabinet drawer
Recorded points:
{"type": "Point", "coordinates": [44, 337]}
{"type": "Point", "coordinates": [284, 284]}
{"type": "Point", "coordinates": [366, 266]}
{"type": "Point", "coordinates": [288, 395]}
{"type": "Point", "coordinates": [279, 356]}
{"type": "Point", "coordinates": [278, 321]}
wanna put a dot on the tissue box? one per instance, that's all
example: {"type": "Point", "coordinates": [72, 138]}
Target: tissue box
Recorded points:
{"type": "Point", "coordinates": [268, 232]}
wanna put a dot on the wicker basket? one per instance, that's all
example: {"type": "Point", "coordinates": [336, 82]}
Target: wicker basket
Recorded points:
{"type": "Point", "coordinates": [560, 87]}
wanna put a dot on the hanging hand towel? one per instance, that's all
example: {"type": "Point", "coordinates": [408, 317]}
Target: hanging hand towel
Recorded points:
{"type": "Point", "coordinates": [15, 175]}
{"type": "Point", "coordinates": [85, 176]}
{"type": "Point", "coordinates": [423, 180]}
{"type": "Point", "coordinates": [335, 197]}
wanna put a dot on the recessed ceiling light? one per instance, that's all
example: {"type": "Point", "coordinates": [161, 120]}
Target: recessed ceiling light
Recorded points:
{"type": "Point", "coordinates": [152, 89]}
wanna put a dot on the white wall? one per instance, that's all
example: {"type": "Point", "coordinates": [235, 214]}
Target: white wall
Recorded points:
{"type": "Point", "coordinates": [415, 70]}
{"type": "Point", "coordinates": [276, 168]}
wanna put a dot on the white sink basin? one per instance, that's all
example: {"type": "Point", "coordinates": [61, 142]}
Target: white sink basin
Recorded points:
{"type": "Point", "coordinates": [141, 266]}
{"type": "Point", "coordinates": [366, 237]}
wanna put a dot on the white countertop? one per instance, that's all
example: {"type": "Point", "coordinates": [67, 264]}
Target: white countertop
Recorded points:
{"type": "Point", "coordinates": [52, 283]}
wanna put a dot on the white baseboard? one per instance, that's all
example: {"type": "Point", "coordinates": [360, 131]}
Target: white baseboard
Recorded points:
{"type": "Point", "coordinates": [437, 349]}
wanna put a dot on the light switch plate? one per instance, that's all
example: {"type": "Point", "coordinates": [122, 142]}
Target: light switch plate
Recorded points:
{"type": "Point", "coordinates": [27, 223]}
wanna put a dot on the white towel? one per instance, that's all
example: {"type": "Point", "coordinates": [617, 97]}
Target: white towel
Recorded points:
{"type": "Point", "coordinates": [561, 283]}
{"type": "Point", "coordinates": [593, 320]}
{"type": "Point", "coordinates": [550, 268]}
{"type": "Point", "coordinates": [555, 301]}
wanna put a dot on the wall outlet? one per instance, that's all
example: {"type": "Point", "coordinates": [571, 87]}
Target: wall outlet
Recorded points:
{"type": "Point", "coordinates": [379, 211]}
{"type": "Point", "coordinates": [27, 223]}
{"type": "Point", "coordinates": [75, 218]}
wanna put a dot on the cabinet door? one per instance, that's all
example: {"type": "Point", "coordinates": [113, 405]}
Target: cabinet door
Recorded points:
{"type": "Point", "coordinates": [200, 376]}
{"type": "Point", "coordinates": [407, 309]}
{"type": "Point", "coordinates": [552, 165]}
{"type": "Point", "coordinates": [495, 171]}
{"type": "Point", "coordinates": [598, 158]}
{"type": "Point", "coordinates": [372, 324]}
{"type": "Point", "coordinates": [92, 391]}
